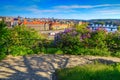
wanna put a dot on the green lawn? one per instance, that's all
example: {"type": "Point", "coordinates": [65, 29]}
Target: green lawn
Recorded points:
{"type": "Point", "coordinates": [90, 72]}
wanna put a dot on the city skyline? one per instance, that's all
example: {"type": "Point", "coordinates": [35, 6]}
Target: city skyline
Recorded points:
{"type": "Point", "coordinates": [64, 9]}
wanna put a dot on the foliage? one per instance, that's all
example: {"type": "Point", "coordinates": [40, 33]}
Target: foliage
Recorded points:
{"type": "Point", "coordinates": [23, 37]}
{"type": "Point", "coordinates": [79, 40]}
{"type": "Point", "coordinates": [95, 42]}
{"type": "Point", "coordinates": [95, 71]}
{"type": "Point", "coordinates": [118, 28]}
{"type": "Point", "coordinates": [53, 51]}
{"type": "Point", "coordinates": [97, 39]}
{"type": "Point", "coordinates": [113, 42]}
{"type": "Point", "coordinates": [93, 51]}
{"type": "Point", "coordinates": [81, 28]}
{"type": "Point", "coordinates": [117, 54]}
{"type": "Point", "coordinates": [75, 42]}
{"type": "Point", "coordinates": [4, 39]}
{"type": "Point", "coordinates": [20, 50]}
{"type": "Point", "coordinates": [100, 22]}
{"type": "Point", "coordinates": [68, 41]}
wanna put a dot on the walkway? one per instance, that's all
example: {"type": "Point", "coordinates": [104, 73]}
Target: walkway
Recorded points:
{"type": "Point", "coordinates": [41, 67]}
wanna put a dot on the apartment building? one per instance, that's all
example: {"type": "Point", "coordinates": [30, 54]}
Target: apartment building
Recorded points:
{"type": "Point", "coordinates": [44, 25]}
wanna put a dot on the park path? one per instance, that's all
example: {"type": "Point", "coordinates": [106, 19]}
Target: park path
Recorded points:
{"type": "Point", "coordinates": [42, 67]}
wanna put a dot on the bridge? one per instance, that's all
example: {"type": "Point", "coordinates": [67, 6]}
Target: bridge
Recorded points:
{"type": "Point", "coordinates": [106, 26]}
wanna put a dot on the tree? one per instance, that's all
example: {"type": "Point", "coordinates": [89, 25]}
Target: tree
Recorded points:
{"type": "Point", "coordinates": [22, 40]}
{"type": "Point", "coordinates": [81, 28]}
{"type": "Point", "coordinates": [4, 39]}
{"type": "Point", "coordinates": [118, 28]}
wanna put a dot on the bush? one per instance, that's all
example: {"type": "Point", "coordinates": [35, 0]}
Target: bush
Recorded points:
{"type": "Point", "coordinates": [100, 52]}
{"type": "Point", "coordinates": [2, 55]}
{"type": "Point", "coordinates": [97, 39]}
{"type": "Point", "coordinates": [116, 54]}
{"type": "Point", "coordinates": [94, 43]}
{"type": "Point", "coordinates": [68, 41]}
{"type": "Point", "coordinates": [25, 40]}
{"type": "Point", "coordinates": [24, 36]}
{"type": "Point", "coordinates": [113, 42]}
{"type": "Point", "coordinates": [4, 39]}
{"type": "Point", "coordinates": [49, 48]}
{"type": "Point", "coordinates": [53, 51]}
{"type": "Point", "coordinates": [93, 51]}
{"type": "Point", "coordinates": [20, 50]}
{"type": "Point", "coordinates": [83, 43]}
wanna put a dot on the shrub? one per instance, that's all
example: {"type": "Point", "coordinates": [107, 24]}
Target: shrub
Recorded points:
{"type": "Point", "coordinates": [116, 54]}
{"type": "Point", "coordinates": [113, 42]}
{"type": "Point", "coordinates": [87, 42]}
{"type": "Point", "coordinates": [4, 39]}
{"type": "Point", "coordinates": [68, 41]}
{"type": "Point", "coordinates": [2, 55]}
{"type": "Point", "coordinates": [53, 51]}
{"type": "Point", "coordinates": [97, 39]}
{"type": "Point", "coordinates": [95, 42]}
{"type": "Point", "coordinates": [23, 35]}
{"type": "Point", "coordinates": [20, 50]}
{"type": "Point", "coordinates": [93, 51]}
{"type": "Point", "coordinates": [100, 52]}
{"type": "Point", "coordinates": [26, 38]}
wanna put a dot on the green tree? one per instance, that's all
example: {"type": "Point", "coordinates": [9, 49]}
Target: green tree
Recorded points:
{"type": "Point", "coordinates": [118, 28]}
{"type": "Point", "coordinates": [81, 28]}
{"type": "Point", "coordinates": [4, 39]}
{"type": "Point", "coordinates": [23, 39]}
{"type": "Point", "coordinates": [113, 42]}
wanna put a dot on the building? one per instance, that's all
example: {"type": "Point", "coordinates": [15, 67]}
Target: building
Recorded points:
{"type": "Point", "coordinates": [44, 25]}
{"type": "Point", "coordinates": [37, 23]}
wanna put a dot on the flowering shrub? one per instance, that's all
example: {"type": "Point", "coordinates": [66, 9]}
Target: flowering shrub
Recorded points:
{"type": "Point", "coordinates": [69, 41]}
{"type": "Point", "coordinates": [94, 42]}
{"type": "Point", "coordinates": [76, 42]}
{"type": "Point", "coordinates": [97, 39]}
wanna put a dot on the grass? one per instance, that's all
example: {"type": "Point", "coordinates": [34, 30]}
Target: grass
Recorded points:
{"type": "Point", "coordinates": [52, 51]}
{"type": "Point", "coordinates": [90, 72]}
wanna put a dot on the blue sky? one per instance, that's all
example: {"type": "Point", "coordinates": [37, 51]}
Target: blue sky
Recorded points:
{"type": "Point", "coordinates": [64, 9]}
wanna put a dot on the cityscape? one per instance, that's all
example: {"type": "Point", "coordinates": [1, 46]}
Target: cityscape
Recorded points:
{"type": "Point", "coordinates": [45, 24]}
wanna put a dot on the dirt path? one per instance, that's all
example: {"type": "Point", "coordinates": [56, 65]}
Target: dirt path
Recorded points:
{"type": "Point", "coordinates": [41, 67]}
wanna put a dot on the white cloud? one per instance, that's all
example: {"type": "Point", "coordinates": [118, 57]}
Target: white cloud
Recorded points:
{"type": "Point", "coordinates": [65, 11]}
{"type": "Point", "coordinates": [73, 6]}
{"type": "Point", "coordinates": [85, 6]}
{"type": "Point", "coordinates": [35, 10]}
{"type": "Point", "coordinates": [109, 11]}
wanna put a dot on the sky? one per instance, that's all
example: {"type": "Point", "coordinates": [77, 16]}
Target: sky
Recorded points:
{"type": "Point", "coordinates": [61, 9]}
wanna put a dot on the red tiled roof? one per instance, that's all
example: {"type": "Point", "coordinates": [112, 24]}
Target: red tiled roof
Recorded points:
{"type": "Point", "coordinates": [42, 22]}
